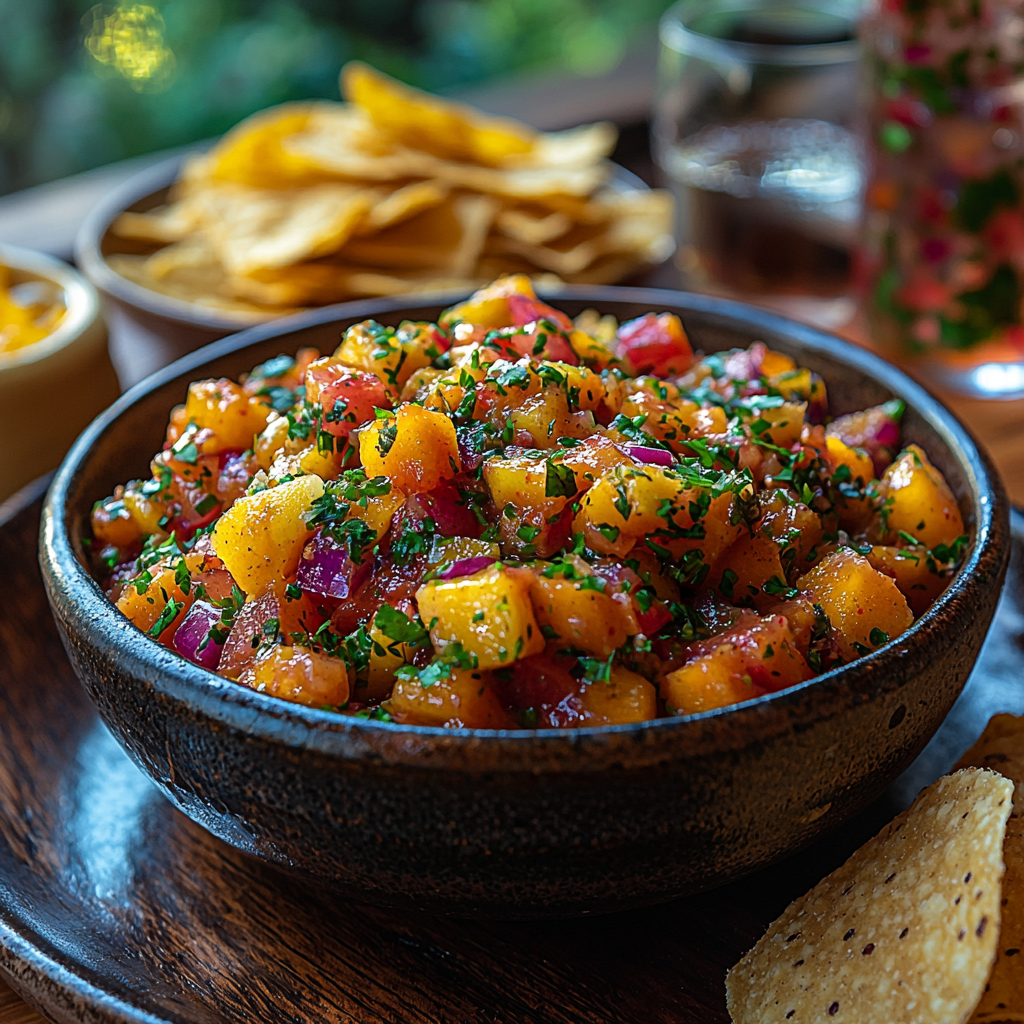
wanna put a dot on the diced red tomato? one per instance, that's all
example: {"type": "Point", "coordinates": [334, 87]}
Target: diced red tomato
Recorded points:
{"type": "Point", "coordinates": [348, 397]}
{"type": "Point", "coordinates": [656, 617]}
{"type": "Point", "coordinates": [525, 310]}
{"type": "Point", "coordinates": [451, 513]}
{"type": "Point", "coordinates": [545, 684]}
{"type": "Point", "coordinates": [655, 343]}
{"type": "Point", "coordinates": [555, 345]}
{"type": "Point", "coordinates": [390, 582]}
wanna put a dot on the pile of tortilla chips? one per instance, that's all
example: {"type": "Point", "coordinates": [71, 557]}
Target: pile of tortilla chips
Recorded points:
{"type": "Point", "coordinates": [393, 191]}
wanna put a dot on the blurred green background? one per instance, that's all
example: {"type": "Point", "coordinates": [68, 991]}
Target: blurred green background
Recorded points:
{"type": "Point", "coordinates": [85, 84]}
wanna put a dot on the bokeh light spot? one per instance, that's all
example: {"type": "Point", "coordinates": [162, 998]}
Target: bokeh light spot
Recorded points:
{"type": "Point", "coordinates": [129, 40]}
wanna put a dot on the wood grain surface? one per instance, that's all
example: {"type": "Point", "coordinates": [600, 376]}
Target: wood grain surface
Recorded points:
{"type": "Point", "coordinates": [102, 877]}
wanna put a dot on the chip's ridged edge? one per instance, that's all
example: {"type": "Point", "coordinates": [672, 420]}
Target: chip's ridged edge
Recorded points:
{"type": "Point", "coordinates": [940, 977]}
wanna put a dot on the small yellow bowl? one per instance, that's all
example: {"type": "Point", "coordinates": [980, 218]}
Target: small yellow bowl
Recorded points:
{"type": "Point", "coordinates": [52, 389]}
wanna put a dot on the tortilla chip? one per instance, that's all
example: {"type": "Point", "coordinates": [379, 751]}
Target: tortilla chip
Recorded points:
{"type": "Point", "coordinates": [641, 228]}
{"type": "Point", "coordinates": [252, 152]}
{"type": "Point", "coordinates": [165, 224]}
{"type": "Point", "coordinates": [340, 145]}
{"type": "Point", "coordinates": [325, 153]}
{"type": "Point", "coordinates": [905, 931]}
{"type": "Point", "coordinates": [448, 238]}
{"type": "Point", "coordinates": [1001, 748]}
{"type": "Point", "coordinates": [186, 274]}
{"type": "Point", "coordinates": [254, 228]}
{"type": "Point", "coordinates": [576, 147]}
{"type": "Point", "coordinates": [319, 283]}
{"type": "Point", "coordinates": [419, 120]}
{"type": "Point", "coordinates": [402, 204]}
{"type": "Point", "coordinates": [533, 225]}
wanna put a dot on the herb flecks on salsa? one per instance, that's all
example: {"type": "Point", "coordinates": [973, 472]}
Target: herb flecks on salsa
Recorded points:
{"type": "Point", "coordinates": [511, 519]}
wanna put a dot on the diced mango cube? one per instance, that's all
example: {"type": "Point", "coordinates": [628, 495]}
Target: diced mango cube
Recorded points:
{"type": "Point", "coordinates": [300, 675]}
{"type": "Point", "coordinates": [488, 307]}
{"type": "Point", "coordinates": [757, 656]}
{"type": "Point", "coordinates": [581, 613]}
{"type": "Point", "coordinates": [392, 357]}
{"type": "Point", "coordinates": [260, 538]}
{"type": "Point", "coordinates": [626, 697]}
{"type": "Point", "coordinates": [489, 613]}
{"type": "Point", "coordinates": [628, 504]}
{"type": "Point", "coordinates": [520, 481]}
{"type": "Point", "coordinates": [744, 569]}
{"type": "Point", "coordinates": [463, 700]}
{"type": "Point", "coordinates": [387, 656]}
{"type": "Point", "coordinates": [918, 501]}
{"type": "Point", "coordinates": [920, 578]}
{"type": "Point", "coordinates": [865, 607]}
{"type": "Point", "coordinates": [416, 449]}
{"type": "Point", "coordinates": [225, 408]}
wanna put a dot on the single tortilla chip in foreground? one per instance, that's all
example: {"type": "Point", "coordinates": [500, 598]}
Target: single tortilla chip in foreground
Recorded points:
{"type": "Point", "coordinates": [905, 932]}
{"type": "Point", "coordinates": [1001, 748]}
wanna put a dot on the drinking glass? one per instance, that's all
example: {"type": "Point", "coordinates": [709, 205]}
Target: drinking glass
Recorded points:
{"type": "Point", "coordinates": [754, 130]}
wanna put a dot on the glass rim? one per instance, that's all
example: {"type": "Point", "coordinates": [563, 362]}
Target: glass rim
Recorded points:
{"type": "Point", "coordinates": [675, 35]}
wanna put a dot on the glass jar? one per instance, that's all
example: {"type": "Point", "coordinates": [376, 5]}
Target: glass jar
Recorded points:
{"type": "Point", "coordinates": [943, 256]}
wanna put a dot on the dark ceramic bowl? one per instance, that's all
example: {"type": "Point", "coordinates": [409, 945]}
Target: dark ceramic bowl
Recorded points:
{"type": "Point", "coordinates": [521, 823]}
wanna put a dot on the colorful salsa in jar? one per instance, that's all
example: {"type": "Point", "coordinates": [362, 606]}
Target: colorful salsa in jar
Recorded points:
{"type": "Point", "coordinates": [945, 201]}
{"type": "Point", "coordinates": [513, 519]}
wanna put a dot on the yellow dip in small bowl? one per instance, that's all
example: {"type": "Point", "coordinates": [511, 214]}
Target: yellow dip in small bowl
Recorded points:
{"type": "Point", "coordinates": [55, 371]}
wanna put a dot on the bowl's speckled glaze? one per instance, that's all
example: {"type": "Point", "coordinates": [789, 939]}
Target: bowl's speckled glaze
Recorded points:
{"type": "Point", "coordinates": [520, 823]}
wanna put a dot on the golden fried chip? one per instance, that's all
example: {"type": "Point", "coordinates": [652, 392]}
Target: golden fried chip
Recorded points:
{"type": "Point", "coordinates": [324, 282]}
{"type": "Point", "coordinates": [576, 147]}
{"type": "Point", "coordinates": [254, 228]}
{"type": "Point", "coordinates": [641, 229]}
{"type": "Point", "coordinates": [421, 121]}
{"type": "Point", "coordinates": [449, 238]}
{"type": "Point", "coordinates": [1001, 748]}
{"type": "Point", "coordinates": [905, 932]}
{"type": "Point", "coordinates": [533, 225]}
{"type": "Point", "coordinates": [190, 273]}
{"type": "Point", "coordinates": [607, 270]}
{"type": "Point", "coordinates": [164, 224]}
{"type": "Point", "coordinates": [325, 153]}
{"type": "Point", "coordinates": [402, 204]}
{"type": "Point", "coordinates": [252, 152]}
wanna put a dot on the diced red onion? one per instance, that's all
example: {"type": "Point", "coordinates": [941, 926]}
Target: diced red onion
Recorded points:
{"type": "Point", "coordinates": [470, 455]}
{"type": "Point", "coordinates": [877, 430]}
{"type": "Point", "coordinates": [650, 456]}
{"type": "Point", "coordinates": [745, 364]}
{"type": "Point", "coordinates": [327, 569]}
{"type": "Point", "coordinates": [189, 636]}
{"type": "Point", "coordinates": [467, 566]}
{"type": "Point", "coordinates": [451, 514]}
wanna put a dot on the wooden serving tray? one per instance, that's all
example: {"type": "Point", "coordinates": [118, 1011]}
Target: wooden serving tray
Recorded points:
{"type": "Point", "coordinates": [115, 907]}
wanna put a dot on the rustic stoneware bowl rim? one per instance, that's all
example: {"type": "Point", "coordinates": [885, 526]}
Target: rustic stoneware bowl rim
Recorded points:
{"type": "Point", "coordinates": [298, 726]}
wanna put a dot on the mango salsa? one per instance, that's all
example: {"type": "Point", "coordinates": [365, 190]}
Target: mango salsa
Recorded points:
{"type": "Point", "coordinates": [513, 519]}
